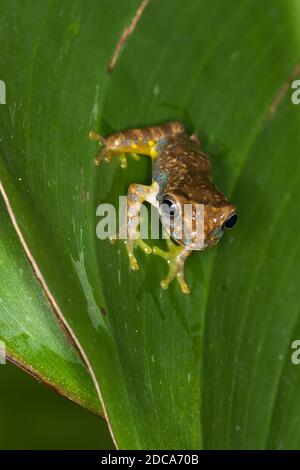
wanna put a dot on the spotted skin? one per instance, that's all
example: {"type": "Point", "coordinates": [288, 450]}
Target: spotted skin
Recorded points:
{"type": "Point", "coordinates": [181, 174]}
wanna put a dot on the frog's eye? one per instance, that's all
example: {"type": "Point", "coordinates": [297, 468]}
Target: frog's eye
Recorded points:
{"type": "Point", "coordinates": [169, 208]}
{"type": "Point", "coordinates": [230, 221]}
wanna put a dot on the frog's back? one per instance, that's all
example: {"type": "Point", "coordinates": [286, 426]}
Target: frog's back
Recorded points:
{"type": "Point", "coordinates": [181, 165]}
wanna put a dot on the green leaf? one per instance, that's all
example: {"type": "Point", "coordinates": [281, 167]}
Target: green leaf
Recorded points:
{"type": "Point", "coordinates": [224, 70]}
{"type": "Point", "coordinates": [29, 329]}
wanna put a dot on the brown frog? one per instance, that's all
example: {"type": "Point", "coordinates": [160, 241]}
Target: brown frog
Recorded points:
{"type": "Point", "coordinates": [181, 178]}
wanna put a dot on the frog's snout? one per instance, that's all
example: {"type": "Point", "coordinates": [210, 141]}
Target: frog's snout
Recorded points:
{"type": "Point", "coordinates": [224, 220]}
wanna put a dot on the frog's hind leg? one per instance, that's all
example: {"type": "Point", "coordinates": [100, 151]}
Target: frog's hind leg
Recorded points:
{"type": "Point", "coordinates": [135, 141]}
{"type": "Point", "coordinates": [137, 195]}
{"type": "Point", "coordinates": [176, 258]}
{"type": "Point", "coordinates": [195, 139]}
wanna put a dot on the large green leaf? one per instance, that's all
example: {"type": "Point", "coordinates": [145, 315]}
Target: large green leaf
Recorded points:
{"type": "Point", "coordinates": [223, 69]}
{"type": "Point", "coordinates": [32, 335]}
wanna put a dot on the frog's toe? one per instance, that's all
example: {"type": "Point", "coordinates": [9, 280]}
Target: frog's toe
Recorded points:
{"type": "Point", "coordinates": [103, 156]}
{"type": "Point", "coordinates": [146, 248]}
{"type": "Point", "coordinates": [113, 239]}
{"type": "Point", "coordinates": [97, 160]}
{"type": "Point", "coordinates": [93, 135]}
{"type": "Point", "coordinates": [175, 259]}
{"type": "Point", "coordinates": [131, 256]}
{"type": "Point", "coordinates": [123, 161]}
{"type": "Point", "coordinates": [134, 265]}
{"type": "Point", "coordinates": [164, 284]}
{"type": "Point", "coordinates": [106, 155]}
{"type": "Point", "coordinates": [183, 285]}
{"type": "Point", "coordinates": [130, 246]}
{"type": "Point", "coordinates": [176, 271]}
{"type": "Point", "coordinates": [159, 252]}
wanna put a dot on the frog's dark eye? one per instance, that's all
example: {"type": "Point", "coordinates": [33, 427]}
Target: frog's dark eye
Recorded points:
{"type": "Point", "coordinates": [231, 221]}
{"type": "Point", "coordinates": [169, 208]}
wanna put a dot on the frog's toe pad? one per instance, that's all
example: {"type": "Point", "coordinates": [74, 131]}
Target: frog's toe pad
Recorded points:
{"type": "Point", "coordinates": [144, 247]}
{"type": "Point", "coordinates": [176, 268]}
{"type": "Point", "coordinates": [164, 284]}
{"type": "Point", "coordinates": [184, 287]}
{"type": "Point", "coordinates": [134, 265]}
{"type": "Point", "coordinates": [130, 246]}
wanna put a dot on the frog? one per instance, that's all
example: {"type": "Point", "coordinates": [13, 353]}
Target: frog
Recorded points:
{"type": "Point", "coordinates": [181, 175]}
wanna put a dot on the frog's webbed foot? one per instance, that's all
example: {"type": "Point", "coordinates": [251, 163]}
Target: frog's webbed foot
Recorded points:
{"type": "Point", "coordinates": [130, 246]}
{"type": "Point", "coordinates": [106, 154]}
{"type": "Point", "coordinates": [175, 257]}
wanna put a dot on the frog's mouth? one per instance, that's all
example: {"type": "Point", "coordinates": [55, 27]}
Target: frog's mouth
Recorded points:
{"type": "Point", "coordinates": [214, 237]}
{"type": "Point", "coordinates": [217, 233]}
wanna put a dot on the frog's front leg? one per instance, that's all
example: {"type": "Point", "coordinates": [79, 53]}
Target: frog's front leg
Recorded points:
{"type": "Point", "coordinates": [137, 195]}
{"type": "Point", "coordinates": [176, 258]}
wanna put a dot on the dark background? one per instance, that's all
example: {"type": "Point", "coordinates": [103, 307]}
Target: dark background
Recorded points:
{"type": "Point", "coordinates": [35, 417]}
